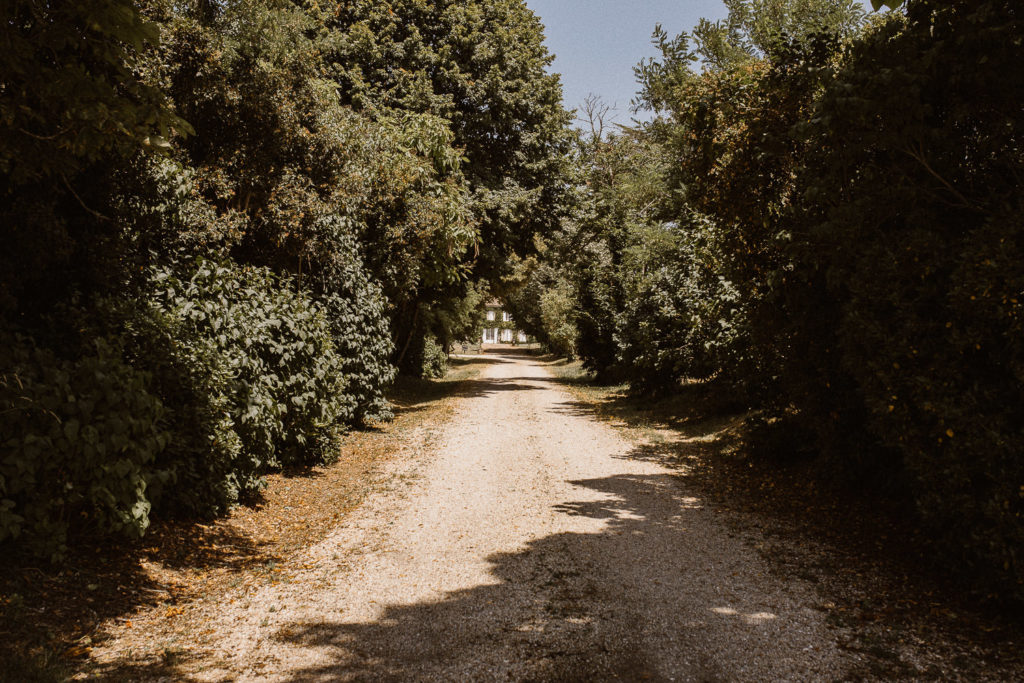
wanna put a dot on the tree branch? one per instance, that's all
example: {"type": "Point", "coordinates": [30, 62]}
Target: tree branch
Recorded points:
{"type": "Point", "coordinates": [918, 156]}
{"type": "Point", "coordinates": [95, 213]}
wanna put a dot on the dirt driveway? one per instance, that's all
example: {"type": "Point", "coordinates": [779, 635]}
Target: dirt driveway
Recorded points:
{"type": "Point", "coordinates": [526, 545]}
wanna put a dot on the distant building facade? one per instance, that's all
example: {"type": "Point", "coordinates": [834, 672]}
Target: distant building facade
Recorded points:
{"type": "Point", "coordinates": [499, 328]}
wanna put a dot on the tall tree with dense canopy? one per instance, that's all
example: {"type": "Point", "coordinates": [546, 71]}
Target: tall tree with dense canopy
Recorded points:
{"type": "Point", "coordinates": [244, 212]}
{"type": "Point", "coordinates": [482, 66]}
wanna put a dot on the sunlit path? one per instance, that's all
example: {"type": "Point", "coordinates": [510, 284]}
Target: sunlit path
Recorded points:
{"type": "Point", "coordinates": [530, 546]}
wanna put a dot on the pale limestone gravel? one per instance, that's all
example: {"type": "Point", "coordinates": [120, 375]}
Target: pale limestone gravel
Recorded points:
{"type": "Point", "coordinates": [528, 545]}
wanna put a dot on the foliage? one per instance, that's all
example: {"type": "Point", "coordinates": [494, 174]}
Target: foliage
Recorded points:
{"type": "Point", "coordinates": [194, 380]}
{"type": "Point", "coordinates": [557, 309]}
{"type": "Point", "coordinates": [384, 188]}
{"type": "Point", "coordinates": [571, 293]}
{"type": "Point", "coordinates": [680, 316]}
{"type": "Point", "coordinates": [907, 296]}
{"type": "Point", "coordinates": [828, 223]}
{"type": "Point", "coordinates": [543, 302]}
{"type": "Point", "coordinates": [433, 361]}
{"type": "Point", "coordinates": [460, 318]}
{"type": "Point", "coordinates": [625, 174]}
{"type": "Point", "coordinates": [753, 31]}
{"type": "Point", "coordinates": [70, 96]}
{"type": "Point", "coordinates": [480, 65]}
{"type": "Point", "coordinates": [437, 328]}
{"type": "Point", "coordinates": [356, 314]}
{"type": "Point", "coordinates": [599, 289]}
{"type": "Point", "coordinates": [80, 440]}
{"type": "Point", "coordinates": [287, 396]}
{"type": "Point", "coordinates": [847, 222]}
{"type": "Point", "coordinates": [254, 275]}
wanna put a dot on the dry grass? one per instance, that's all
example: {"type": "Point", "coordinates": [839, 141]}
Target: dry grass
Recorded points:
{"type": "Point", "coordinates": [50, 617]}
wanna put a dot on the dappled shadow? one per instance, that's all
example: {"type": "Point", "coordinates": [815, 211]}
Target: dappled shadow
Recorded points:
{"type": "Point", "coordinates": [633, 412]}
{"type": "Point", "coordinates": [511, 352]}
{"type": "Point", "coordinates": [479, 359]}
{"type": "Point", "coordinates": [481, 388]}
{"type": "Point", "coordinates": [865, 550]}
{"type": "Point", "coordinates": [412, 394]}
{"type": "Point", "coordinates": [186, 545]}
{"type": "Point", "coordinates": [704, 406]}
{"type": "Point", "coordinates": [467, 388]}
{"type": "Point", "coordinates": [649, 595]}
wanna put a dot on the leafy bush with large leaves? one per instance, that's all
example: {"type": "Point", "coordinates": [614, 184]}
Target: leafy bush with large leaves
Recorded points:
{"type": "Point", "coordinates": [241, 378]}
{"type": "Point", "coordinates": [80, 441]}
{"type": "Point", "coordinates": [287, 393]}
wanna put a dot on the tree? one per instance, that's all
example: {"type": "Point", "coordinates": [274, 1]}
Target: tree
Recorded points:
{"type": "Point", "coordinates": [905, 293]}
{"type": "Point", "coordinates": [70, 94]}
{"type": "Point", "coordinates": [752, 30]}
{"type": "Point", "coordinates": [481, 66]}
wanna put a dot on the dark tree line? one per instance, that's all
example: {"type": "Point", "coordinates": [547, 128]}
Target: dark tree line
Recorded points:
{"type": "Point", "coordinates": [227, 223]}
{"type": "Point", "coordinates": [824, 219]}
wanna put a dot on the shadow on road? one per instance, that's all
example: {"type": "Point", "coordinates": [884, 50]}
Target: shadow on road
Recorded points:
{"type": "Point", "coordinates": [655, 591]}
{"type": "Point", "coordinates": [468, 388]}
{"type": "Point", "coordinates": [618, 604]}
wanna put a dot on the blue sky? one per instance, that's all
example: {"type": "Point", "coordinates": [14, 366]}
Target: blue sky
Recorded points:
{"type": "Point", "coordinates": [597, 42]}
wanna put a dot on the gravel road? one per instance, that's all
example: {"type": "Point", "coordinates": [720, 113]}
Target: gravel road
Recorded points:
{"type": "Point", "coordinates": [527, 544]}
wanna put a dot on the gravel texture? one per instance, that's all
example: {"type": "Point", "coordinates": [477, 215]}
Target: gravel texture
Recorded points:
{"type": "Point", "coordinates": [527, 544]}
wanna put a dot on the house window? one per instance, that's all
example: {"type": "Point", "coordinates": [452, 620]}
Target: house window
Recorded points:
{"type": "Point", "coordinates": [490, 315]}
{"type": "Point", "coordinates": [505, 316]}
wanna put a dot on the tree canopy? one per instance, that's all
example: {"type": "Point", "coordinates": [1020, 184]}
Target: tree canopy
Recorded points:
{"type": "Point", "coordinates": [821, 220]}
{"type": "Point", "coordinates": [248, 212]}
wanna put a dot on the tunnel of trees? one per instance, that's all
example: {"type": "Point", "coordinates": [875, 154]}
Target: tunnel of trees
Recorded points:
{"type": "Point", "coordinates": [227, 225]}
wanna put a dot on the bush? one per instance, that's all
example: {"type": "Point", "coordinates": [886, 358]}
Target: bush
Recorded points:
{"type": "Point", "coordinates": [557, 315]}
{"type": "Point", "coordinates": [907, 296]}
{"type": "Point", "coordinates": [80, 438]}
{"type": "Point", "coordinates": [356, 311]}
{"type": "Point", "coordinates": [287, 398]}
{"type": "Point", "coordinates": [195, 382]}
{"type": "Point", "coordinates": [183, 398]}
{"type": "Point", "coordinates": [599, 291]}
{"type": "Point", "coordinates": [682, 318]}
{"type": "Point", "coordinates": [434, 359]}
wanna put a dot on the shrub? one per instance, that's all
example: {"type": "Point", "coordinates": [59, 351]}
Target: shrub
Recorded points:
{"type": "Point", "coordinates": [79, 439]}
{"type": "Point", "coordinates": [682, 318]}
{"type": "Point", "coordinates": [599, 292]}
{"type": "Point", "coordinates": [434, 359]}
{"type": "Point", "coordinates": [183, 398]}
{"type": "Point", "coordinates": [907, 296]}
{"type": "Point", "coordinates": [356, 311]}
{"type": "Point", "coordinates": [287, 397]}
{"type": "Point", "coordinates": [557, 315]}
{"type": "Point", "coordinates": [195, 381]}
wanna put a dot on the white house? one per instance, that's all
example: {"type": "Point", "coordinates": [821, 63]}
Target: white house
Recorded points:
{"type": "Point", "coordinates": [499, 328]}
